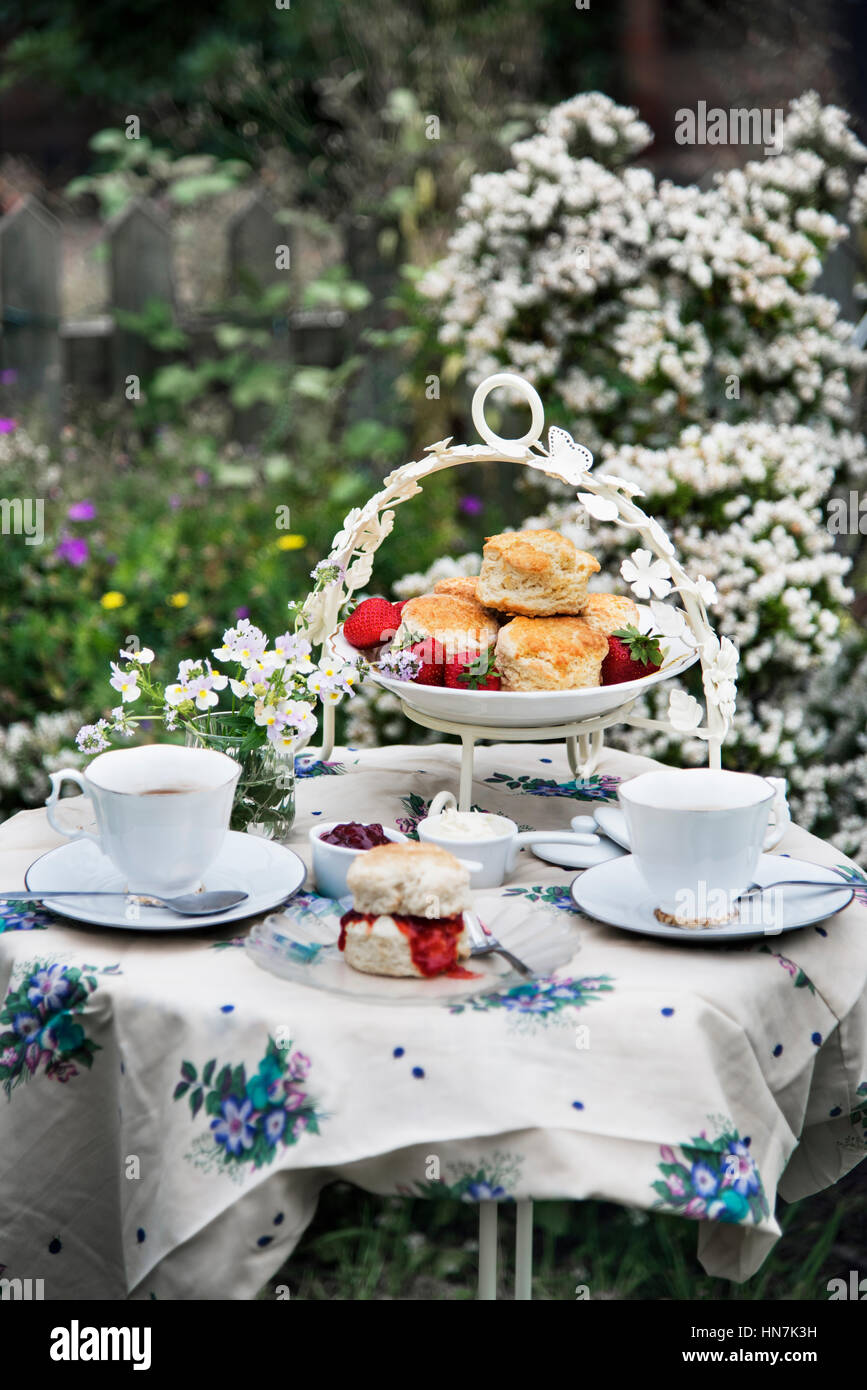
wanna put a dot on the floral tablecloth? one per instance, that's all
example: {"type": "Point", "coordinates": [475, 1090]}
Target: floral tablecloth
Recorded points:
{"type": "Point", "coordinates": [171, 1111]}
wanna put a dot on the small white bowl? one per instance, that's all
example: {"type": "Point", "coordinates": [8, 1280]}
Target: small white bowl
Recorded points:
{"type": "Point", "coordinates": [331, 862]}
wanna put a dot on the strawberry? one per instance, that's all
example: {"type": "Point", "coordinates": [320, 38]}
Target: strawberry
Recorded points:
{"type": "Point", "coordinates": [472, 671]}
{"type": "Point", "coordinates": [370, 621]}
{"type": "Point", "coordinates": [399, 607]}
{"type": "Point", "coordinates": [431, 670]}
{"type": "Point", "coordinates": [631, 654]}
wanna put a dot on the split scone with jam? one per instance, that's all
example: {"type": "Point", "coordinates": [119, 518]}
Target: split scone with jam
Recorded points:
{"type": "Point", "coordinates": [535, 574]}
{"type": "Point", "coordinates": [562, 653]}
{"type": "Point", "coordinates": [407, 914]}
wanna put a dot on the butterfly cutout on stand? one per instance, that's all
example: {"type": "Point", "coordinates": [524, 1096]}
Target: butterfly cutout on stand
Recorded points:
{"type": "Point", "coordinates": [568, 458]}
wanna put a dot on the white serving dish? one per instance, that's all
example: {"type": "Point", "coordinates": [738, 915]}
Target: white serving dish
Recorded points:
{"type": "Point", "coordinates": [529, 709]}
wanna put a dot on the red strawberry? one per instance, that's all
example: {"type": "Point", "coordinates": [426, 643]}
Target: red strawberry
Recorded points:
{"type": "Point", "coordinates": [431, 670]}
{"type": "Point", "coordinates": [370, 621]}
{"type": "Point", "coordinates": [399, 607]}
{"type": "Point", "coordinates": [631, 654]}
{"type": "Point", "coordinates": [472, 671]}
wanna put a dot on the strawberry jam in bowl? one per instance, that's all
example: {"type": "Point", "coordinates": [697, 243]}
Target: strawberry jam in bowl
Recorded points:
{"type": "Point", "coordinates": [336, 843]}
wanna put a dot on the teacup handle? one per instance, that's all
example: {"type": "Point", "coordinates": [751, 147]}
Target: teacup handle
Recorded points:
{"type": "Point", "coordinates": [443, 801]}
{"type": "Point", "coordinates": [780, 815]}
{"type": "Point", "coordinates": [57, 779]}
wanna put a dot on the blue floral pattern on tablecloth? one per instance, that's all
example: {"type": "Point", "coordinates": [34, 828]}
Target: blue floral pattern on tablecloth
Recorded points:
{"type": "Point", "coordinates": [252, 1117]}
{"type": "Point", "coordinates": [599, 787]}
{"type": "Point", "coordinates": [22, 916]}
{"type": "Point", "coordinates": [539, 1001]}
{"type": "Point", "coordinates": [715, 1180]}
{"type": "Point", "coordinates": [40, 1022]}
{"type": "Point", "coordinates": [488, 1180]}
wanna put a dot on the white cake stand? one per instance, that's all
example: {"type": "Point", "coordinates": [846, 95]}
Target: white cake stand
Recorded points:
{"type": "Point", "coordinates": [605, 498]}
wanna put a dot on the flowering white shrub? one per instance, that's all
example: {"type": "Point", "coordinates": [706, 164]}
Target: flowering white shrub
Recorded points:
{"type": "Point", "coordinates": [676, 332]}
{"type": "Point", "coordinates": [28, 752]}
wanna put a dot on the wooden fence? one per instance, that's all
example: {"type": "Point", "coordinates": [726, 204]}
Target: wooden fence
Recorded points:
{"type": "Point", "coordinates": [95, 356]}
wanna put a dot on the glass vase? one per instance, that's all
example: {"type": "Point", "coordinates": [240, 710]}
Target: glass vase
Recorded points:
{"type": "Point", "coordinates": [265, 795]}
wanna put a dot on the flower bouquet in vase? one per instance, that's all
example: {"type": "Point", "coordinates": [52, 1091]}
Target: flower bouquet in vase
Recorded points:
{"type": "Point", "coordinates": [261, 714]}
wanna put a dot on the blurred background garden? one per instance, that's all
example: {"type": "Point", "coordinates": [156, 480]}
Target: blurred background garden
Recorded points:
{"type": "Point", "coordinates": [252, 258]}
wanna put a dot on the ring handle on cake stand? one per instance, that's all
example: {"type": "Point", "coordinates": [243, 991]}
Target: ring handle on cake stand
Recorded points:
{"type": "Point", "coordinates": [512, 448]}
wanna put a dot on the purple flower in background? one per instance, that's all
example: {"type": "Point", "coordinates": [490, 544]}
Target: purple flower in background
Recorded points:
{"type": "Point", "coordinates": [7, 425]}
{"type": "Point", "coordinates": [201, 477]}
{"type": "Point", "coordinates": [82, 511]}
{"type": "Point", "coordinates": [175, 501]}
{"type": "Point", "coordinates": [471, 505]}
{"type": "Point", "coordinates": [8, 376]}
{"type": "Point", "coordinates": [242, 612]}
{"type": "Point", "coordinates": [73, 549]}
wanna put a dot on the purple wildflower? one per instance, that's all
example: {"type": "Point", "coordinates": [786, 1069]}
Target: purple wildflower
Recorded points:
{"type": "Point", "coordinates": [73, 549]}
{"type": "Point", "coordinates": [82, 511]}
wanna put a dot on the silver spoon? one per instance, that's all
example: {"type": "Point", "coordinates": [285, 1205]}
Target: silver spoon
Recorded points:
{"type": "Point", "coordinates": [186, 905]}
{"type": "Point", "coordinates": [755, 888]}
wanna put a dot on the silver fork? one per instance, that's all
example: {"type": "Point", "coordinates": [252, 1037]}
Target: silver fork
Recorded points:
{"type": "Point", "coordinates": [486, 944]}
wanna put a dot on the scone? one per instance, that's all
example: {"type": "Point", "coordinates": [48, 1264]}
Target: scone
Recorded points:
{"type": "Point", "coordinates": [606, 613]}
{"type": "Point", "coordinates": [463, 585]}
{"type": "Point", "coordinates": [449, 623]}
{"type": "Point", "coordinates": [407, 916]}
{"type": "Point", "coordinates": [550, 654]}
{"type": "Point", "coordinates": [535, 574]}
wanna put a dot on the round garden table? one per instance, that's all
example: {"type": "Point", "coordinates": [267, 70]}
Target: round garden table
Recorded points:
{"type": "Point", "coordinates": [171, 1111]}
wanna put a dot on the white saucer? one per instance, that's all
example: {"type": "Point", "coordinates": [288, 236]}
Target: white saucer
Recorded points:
{"type": "Point", "coordinates": [612, 822]}
{"type": "Point", "coordinates": [615, 893]}
{"type": "Point", "coordinates": [579, 856]}
{"type": "Point", "coordinates": [268, 872]}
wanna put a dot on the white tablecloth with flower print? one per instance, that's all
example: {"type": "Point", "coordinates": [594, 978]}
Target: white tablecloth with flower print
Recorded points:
{"type": "Point", "coordinates": [171, 1111]}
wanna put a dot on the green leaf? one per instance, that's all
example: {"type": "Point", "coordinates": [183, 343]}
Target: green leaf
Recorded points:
{"type": "Point", "coordinates": [188, 1071]}
{"type": "Point", "coordinates": [196, 1099]}
{"type": "Point", "coordinates": [208, 1071]}
{"type": "Point", "coordinates": [180, 1090]}
{"type": "Point", "coordinates": [239, 1080]}
{"type": "Point", "coordinates": [230, 335]}
{"type": "Point", "coordinates": [213, 1104]}
{"type": "Point", "coordinates": [199, 186]}
{"type": "Point", "coordinates": [107, 141]}
{"type": "Point", "coordinates": [642, 647]}
{"type": "Point", "coordinates": [265, 382]}
{"type": "Point", "coordinates": [313, 383]}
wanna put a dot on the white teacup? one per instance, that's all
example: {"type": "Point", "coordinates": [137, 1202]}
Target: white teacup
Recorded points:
{"type": "Point", "coordinates": [162, 812]}
{"type": "Point", "coordinates": [492, 852]}
{"type": "Point", "coordinates": [697, 835]}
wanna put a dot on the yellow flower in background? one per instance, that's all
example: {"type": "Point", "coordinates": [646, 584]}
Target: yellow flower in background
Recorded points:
{"type": "Point", "coordinates": [179, 600]}
{"type": "Point", "coordinates": [291, 541]}
{"type": "Point", "coordinates": [113, 599]}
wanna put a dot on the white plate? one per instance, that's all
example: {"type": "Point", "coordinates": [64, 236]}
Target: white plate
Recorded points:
{"type": "Point", "coordinates": [526, 709]}
{"type": "Point", "coordinates": [300, 943]}
{"type": "Point", "coordinates": [615, 893]}
{"type": "Point", "coordinates": [268, 872]}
